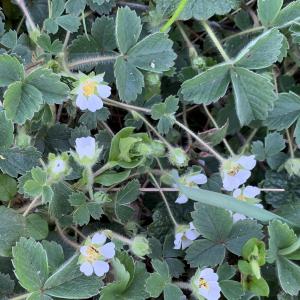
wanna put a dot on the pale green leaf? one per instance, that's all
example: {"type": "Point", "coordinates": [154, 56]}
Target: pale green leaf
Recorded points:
{"type": "Point", "coordinates": [21, 101]}
{"type": "Point", "coordinates": [37, 227]}
{"type": "Point", "coordinates": [288, 15]}
{"type": "Point", "coordinates": [261, 52]}
{"type": "Point", "coordinates": [30, 264]}
{"type": "Point", "coordinates": [128, 28]}
{"type": "Point", "coordinates": [6, 131]}
{"type": "Point", "coordinates": [154, 53]}
{"type": "Point", "coordinates": [111, 177]}
{"type": "Point", "coordinates": [208, 86]}
{"type": "Point", "coordinates": [68, 22]}
{"type": "Point", "coordinates": [268, 10]}
{"type": "Point", "coordinates": [130, 80]}
{"type": "Point", "coordinates": [11, 70]}
{"type": "Point", "coordinates": [254, 95]}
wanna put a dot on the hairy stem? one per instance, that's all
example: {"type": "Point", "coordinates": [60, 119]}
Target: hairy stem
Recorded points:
{"type": "Point", "coordinates": [183, 285]}
{"type": "Point", "coordinates": [20, 297]}
{"type": "Point", "coordinates": [34, 203]}
{"type": "Point", "coordinates": [247, 31]}
{"type": "Point", "coordinates": [113, 235]}
{"type": "Point", "coordinates": [125, 106]}
{"type": "Point", "coordinates": [215, 40]}
{"type": "Point", "coordinates": [91, 60]}
{"type": "Point", "coordinates": [165, 199]}
{"type": "Point", "coordinates": [201, 142]}
{"type": "Point", "coordinates": [22, 5]}
{"type": "Point", "coordinates": [65, 238]}
{"type": "Point", "coordinates": [176, 14]}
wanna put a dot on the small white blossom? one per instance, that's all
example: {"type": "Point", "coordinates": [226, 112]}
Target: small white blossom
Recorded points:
{"type": "Point", "coordinates": [58, 166]}
{"type": "Point", "coordinates": [249, 192]}
{"type": "Point", "coordinates": [185, 235]}
{"type": "Point", "coordinates": [90, 93]}
{"type": "Point", "coordinates": [205, 283]}
{"type": "Point", "coordinates": [190, 180]}
{"type": "Point", "coordinates": [85, 147]}
{"type": "Point", "coordinates": [236, 171]}
{"type": "Point", "coordinates": [94, 255]}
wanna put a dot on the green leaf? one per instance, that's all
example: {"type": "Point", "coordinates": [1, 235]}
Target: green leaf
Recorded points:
{"type": "Point", "coordinates": [274, 143]}
{"type": "Point", "coordinates": [226, 271]}
{"type": "Point", "coordinates": [232, 290]}
{"type": "Point", "coordinates": [208, 86]}
{"type": "Point", "coordinates": [7, 285]}
{"type": "Point", "coordinates": [44, 42]}
{"type": "Point", "coordinates": [268, 10]}
{"type": "Point", "coordinates": [130, 80]}
{"type": "Point", "coordinates": [286, 111]}
{"type": "Point", "coordinates": [37, 227]}
{"type": "Point", "coordinates": [18, 160]}
{"type": "Point", "coordinates": [9, 39]}
{"type": "Point", "coordinates": [12, 227]}
{"type": "Point", "coordinates": [6, 131]}
{"type": "Point", "coordinates": [205, 253]}
{"type": "Point", "coordinates": [254, 95]}
{"type": "Point", "coordinates": [48, 83]}
{"type": "Point", "coordinates": [8, 187]}
{"type": "Point", "coordinates": [68, 282]}
{"type": "Point", "coordinates": [289, 275]}
{"type": "Point", "coordinates": [214, 136]}
{"type": "Point", "coordinates": [21, 101]}
{"type": "Point", "coordinates": [261, 52]}
{"type": "Point", "coordinates": [172, 292]}
{"type": "Point", "coordinates": [30, 264]}
{"type": "Point", "coordinates": [128, 28]}
{"type": "Point", "coordinates": [213, 223]}
{"type": "Point", "coordinates": [68, 22]}
{"type": "Point", "coordinates": [288, 15]}
{"type": "Point", "coordinates": [111, 177]}
{"type": "Point", "coordinates": [228, 202]}
{"type": "Point", "coordinates": [154, 53]}
{"type": "Point", "coordinates": [11, 70]}
{"type": "Point", "coordinates": [164, 112]}
{"type": "Point", "coordinates": [55, 254]}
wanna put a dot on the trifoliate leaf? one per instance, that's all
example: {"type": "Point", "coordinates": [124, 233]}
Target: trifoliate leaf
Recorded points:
{"type": "Point", "coordinates": [11, 70]}
{"type": "Point", "coordinates": [12, 227]}
{"type": "Point", "coordinates": [214, 136]}
{"type": "Point", "coordinates": [164, 112]}
{"type": "Point", "coordinates": [254, 95]}
{"type": "Point", "coordinates": [16, 160]}
{"type": "Point", "coordinates": [268, 10]}
{"type": "Point", "coordinates": [154, 53]}
{"type": "Point", "coordinates": [68, 22]}
{"type": "Point", "coordinates": [75, 6]}
{"type": "Point", "coordinates": [30, 264]}
{"type": "Point", "coordinates": [49, 84]}
{"type": "Point", "coordinates": [55, 254]}
{"type": "Point", "coordinates": [6, 131]}
{"type": "Point", "coordinates": [208, 86]}
{"type": "Point", "coordinates": [68, 282]}
{"type": "Point", "coordinates": [261, 52]}
{"type": "Point", "coordinates": [21, 101]}
{"type": "Point", "coordinates": [44, 42]}
{"type": "Point", "coordinates": [128, 28]}
{"type": "Point", "coordinates": [286, 111]}
{"type": "Point", "coordinates": [130, 80]}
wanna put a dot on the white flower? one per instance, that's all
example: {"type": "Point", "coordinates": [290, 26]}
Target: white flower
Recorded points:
{"type": "Point", "coordinates": [246, 194]}
{"type": "Point", "coordinates": [85, 147]}
{"type": "Point", "coordinates": [185, 235]}
{"type": "Point", "coordinates": [205, 283]}
{"type": "Point", "coordinates": [239, 217]}
{"type": "Point", "coordinates": [236, 171]}
{"type": "Point", "coordinates": [90, 93]}
{"type": "Point", "coordinates": [94, 255]}
{"type": "Point", "coordinates": [59, 166]}
{"type": "Point", "coordinates": [190, 180]}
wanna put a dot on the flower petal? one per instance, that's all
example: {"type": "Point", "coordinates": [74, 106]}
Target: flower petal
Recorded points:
{"type": "Point", "coordinates": [83, 250]}
{"type": "Point", "coordinates": [85, 147]}
{"type": "Point", "coordinates": [86, 268]}
{"type": "Point", "coordinates": [100, 268]}
{"type": "Point", "coordinates": [104, 91]}
{"type": "Point", "coordinates": [230, 182]}
{"type": "Point", "coordinates": [178, 240]}
{"type": "Point", "coordinates": [251, 191]}
{"type": "Point", "coordinates": [236, 193]}
{"type": "Point", "coordinates": [81, 102]}
{"type": "Point", "coordinates": [186, 243]}
{"type": "Point", "coordinates": [247, 162]}
{"type": "Point", "coordinates": [181, 199]}
{"type": "Point", "coordinates": [192, 234]}
{"type": "Point", "coordinates": [243, 176]}
{"type": "Point", "coordinates": [108, 250]}
{"type": "Point", "coordinates": [99, 238]}
{"type": "Point", "coordinates": [94, 103]}
{"type": "Point", "coordinates": [209, 275]}
{"type": "Point", "coordinates": [198, 179]}
{"type": "Point", "coordinates": [238, 217]}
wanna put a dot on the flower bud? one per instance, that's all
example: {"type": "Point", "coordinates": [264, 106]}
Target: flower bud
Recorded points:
{"type": "Point", "coordinates": [178, 157]}
{"type": "Point", "coordinates": [58, 166]}
{"type": "Point", "coordinates": [158, 148]}
{"type": "Point", "coordinates": [140, 246]}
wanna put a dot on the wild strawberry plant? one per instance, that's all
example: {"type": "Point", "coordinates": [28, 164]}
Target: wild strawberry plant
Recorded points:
{"type": "Point", "coordinates": [149, 149]}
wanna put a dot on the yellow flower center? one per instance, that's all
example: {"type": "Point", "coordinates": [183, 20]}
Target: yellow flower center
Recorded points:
{"type": "Point", "coordinates": [241, 197]}
{"type": "Point", "coordinates": [93, 253]}
{"type": "Point", "coordinates": [233, 171]}
{"type": "Point", "coordinates": [203, 283]}
{"type": "Point", "coordinates": [89, 88]}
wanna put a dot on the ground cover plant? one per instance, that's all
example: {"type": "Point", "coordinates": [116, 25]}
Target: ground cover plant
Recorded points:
{"type": "Point", "coordinates": [149, 149]}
